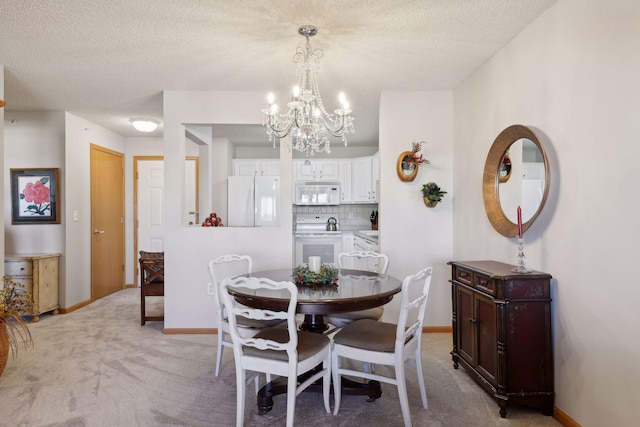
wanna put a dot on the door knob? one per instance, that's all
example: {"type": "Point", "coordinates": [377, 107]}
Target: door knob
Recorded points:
{"type": "Point", "coordinates": [96, 231]}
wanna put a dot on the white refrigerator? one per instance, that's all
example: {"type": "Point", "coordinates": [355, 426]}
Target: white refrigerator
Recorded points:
{"type": "Point", "coordinates": [253, 201]}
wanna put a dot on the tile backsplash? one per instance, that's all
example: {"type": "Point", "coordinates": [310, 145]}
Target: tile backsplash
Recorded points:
{"type": "Point", "coordinates": [348, 215]}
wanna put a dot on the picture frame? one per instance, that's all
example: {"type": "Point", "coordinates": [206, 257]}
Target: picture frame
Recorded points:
{"type": "Point", "coordinates": [35, 195]}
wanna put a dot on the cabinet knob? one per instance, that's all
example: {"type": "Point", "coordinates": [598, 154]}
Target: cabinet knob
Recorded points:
{"type": "Point", "coordinates": [472, 320]}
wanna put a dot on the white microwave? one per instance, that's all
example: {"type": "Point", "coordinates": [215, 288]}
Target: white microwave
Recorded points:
{"type": "Point", "coordinates": [316, 193]}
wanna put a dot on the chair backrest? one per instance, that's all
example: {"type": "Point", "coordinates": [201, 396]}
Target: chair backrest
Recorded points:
{"type": "Point", "coordinates": [412, 309]}
{"type": "Point", "coordinates": [234, 309]}
{"type": "Point", "coordinates": [227, 266]}
{"type": "Point", "coordinates": [364, 260]}
{"type": "Point", "coordinates": [151, 267]}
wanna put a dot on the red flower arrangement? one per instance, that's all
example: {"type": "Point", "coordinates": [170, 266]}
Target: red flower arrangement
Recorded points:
{"type": "Point", "coordinates": [213, 220]}
{"type": "Point", "coordinates": [418, 159]}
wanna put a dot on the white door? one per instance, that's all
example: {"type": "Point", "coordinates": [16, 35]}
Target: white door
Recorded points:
{"type": "Point", "coordinates": [191, 191]}
{"type": "Point", "coordinates": [150, 205]}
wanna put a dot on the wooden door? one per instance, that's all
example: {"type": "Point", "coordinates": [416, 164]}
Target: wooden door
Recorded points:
{"type": "Point", "coordinates": [107, 221]}
{"type": "Point", "coordinates": [487, 337]}
{"type": "Point", "coordinates": [465, 318]}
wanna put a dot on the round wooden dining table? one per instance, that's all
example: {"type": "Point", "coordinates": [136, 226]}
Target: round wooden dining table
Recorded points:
{"type": "Point", "coordinates": [356, 290]}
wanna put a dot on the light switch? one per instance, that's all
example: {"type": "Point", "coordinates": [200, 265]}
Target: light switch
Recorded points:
{"type": "Point", "coordinates": [75, 215]}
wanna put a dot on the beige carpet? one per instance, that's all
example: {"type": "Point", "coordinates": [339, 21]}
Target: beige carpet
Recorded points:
{"type": "Point", "coordinates": [98, 367]}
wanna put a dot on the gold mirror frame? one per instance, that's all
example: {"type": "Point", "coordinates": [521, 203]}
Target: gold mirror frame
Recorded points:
{"type": "Point", "coordinates": [491, 179]}
{"type": "Point", "coordinates": [401, 174]}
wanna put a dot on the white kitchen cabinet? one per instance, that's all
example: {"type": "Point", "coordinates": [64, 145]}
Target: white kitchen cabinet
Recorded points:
{"type": "Point", "coordinates": [316, 170]}
{"type": "Point", "coordinates": [368, 245]}
{"type": "Point", "coordinates": [345, 180]}
{"type": "Point", "coordinates": [348, 241]}
{"type": "Point", "coordinates": [361, 188]}
{"type": "Point", "coordinates": [375, 176]}
{"type": "Point", "coordinates": [256, 167]}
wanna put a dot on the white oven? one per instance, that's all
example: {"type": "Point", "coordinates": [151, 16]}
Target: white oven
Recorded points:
{"type": "Point", "coordinates": [312, 239]}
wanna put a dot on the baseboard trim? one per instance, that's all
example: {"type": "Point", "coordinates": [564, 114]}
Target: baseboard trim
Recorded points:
{"type": "Point", "coordinates": [74, 307]}
{"type": "Point", "coordinates": [130, 285]}
{"type": "Point", "coordinates": [178, 331]}
{"type": "Point", "coordinates": [436, 329]}
{"type": "Point", "coordinates": [564, 419]}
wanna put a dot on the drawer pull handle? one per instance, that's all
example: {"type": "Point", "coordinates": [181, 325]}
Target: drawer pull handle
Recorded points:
{"type": "Point", "coordinates": [484, 283]}
{"type": "Point", "coordinates": [464, 274]}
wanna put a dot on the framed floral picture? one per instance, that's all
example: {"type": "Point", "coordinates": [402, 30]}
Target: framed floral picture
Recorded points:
{"type": "Point", "coordinates": [35, 196]}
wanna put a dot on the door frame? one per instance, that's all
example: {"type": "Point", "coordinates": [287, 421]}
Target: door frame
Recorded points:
{"type": "Point", "coordinates": [136, 159]}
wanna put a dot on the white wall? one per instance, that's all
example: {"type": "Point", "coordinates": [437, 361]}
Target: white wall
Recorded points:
{"type": "Point", "coordinates": [79, 135]}
{"type": "Point", "coordinates": [2, 166]}
{"type": "Point", "coordinates": [572, 76]}
{"type": "Point", "coordinates": [413, 235]}
{"type": "Point", "coordinates": [188, 249]}
{"type": "Point", "coordinates": [35, 139]}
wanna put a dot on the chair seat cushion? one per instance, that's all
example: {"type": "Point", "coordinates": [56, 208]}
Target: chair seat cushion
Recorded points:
{"type": "Point", "coordinates": [369, 335]}
{"type": "Point", "coordinates": [309, 344]}
{"type": "Point", "coordinates": [371, 313]}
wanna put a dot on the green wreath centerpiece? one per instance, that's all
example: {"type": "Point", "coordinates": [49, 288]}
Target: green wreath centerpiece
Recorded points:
{"type": "Point", "coordinates": [327, 277]}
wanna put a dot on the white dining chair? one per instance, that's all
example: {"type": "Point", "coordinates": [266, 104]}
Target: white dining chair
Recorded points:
{"type": "Point", "coordinates": [229, 266]}
{"type": "Point", "coordinates": [279, 351]}
{"type": "Point", "coordinates": [370, 341]}
{"type": "Point", "coordinates": [366, 261]}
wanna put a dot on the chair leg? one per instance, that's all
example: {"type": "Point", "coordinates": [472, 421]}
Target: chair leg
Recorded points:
{"type": "Point", "coordinates": [423, 390]}
{"type": "Point", "coordinates": [142, 314]}
{"type": "Point", "coordinates": [326, 383]}
{"type": "Point", "coordinates": [292, 382]}
{"type": "Point", "coordinates": [402, 394]}
{"type": "Point", "coordinates": [240, 395]}
{"type": "Point", "coordinates": [220, 350]}
{"type": "Point", "coordinates": [337, 382]}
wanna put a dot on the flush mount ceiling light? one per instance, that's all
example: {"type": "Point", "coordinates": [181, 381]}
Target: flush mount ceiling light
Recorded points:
{"type": "Point", "coordinates": [145, 125]}
{"type": "Point", "coordinates": [307, 122]}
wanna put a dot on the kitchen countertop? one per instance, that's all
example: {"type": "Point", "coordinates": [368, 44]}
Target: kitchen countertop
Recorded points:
{"type": "Point", "coordinates": [368, 234]}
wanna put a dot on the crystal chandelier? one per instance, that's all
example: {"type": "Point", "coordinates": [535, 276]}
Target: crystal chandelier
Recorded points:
{"type": "Point", "coordinates": [307, 123]}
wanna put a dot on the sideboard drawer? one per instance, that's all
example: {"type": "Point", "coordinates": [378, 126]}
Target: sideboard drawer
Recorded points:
{"type": "Point", "coordinates": [464, 276]}
{"type": "Point", "coordinates": [485, 284]}
{"type": "Point", "coordinates": [18, 268]}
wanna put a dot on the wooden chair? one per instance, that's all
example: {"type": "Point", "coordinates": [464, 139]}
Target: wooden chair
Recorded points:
{"type": "Point", "coordinates": [360, 260]}
{"type": "Point", "coordinates": [276, 350]}
{"type": "Point", "coordinates": [374, 342]}
{"type": "Point", "coordinates": [151, 281]}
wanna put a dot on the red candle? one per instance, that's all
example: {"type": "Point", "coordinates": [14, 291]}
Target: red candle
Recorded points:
{"type": "Point", "coordinates": [519, 222]}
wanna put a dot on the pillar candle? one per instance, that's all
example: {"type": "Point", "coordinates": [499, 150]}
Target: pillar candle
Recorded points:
{"type": "Point", "coordinates": [519, 222]}
{"type": "Point", "coordinates": [314, 264]}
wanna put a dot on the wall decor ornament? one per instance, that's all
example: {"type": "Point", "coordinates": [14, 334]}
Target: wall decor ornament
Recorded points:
{"type": "Point", "coordinates": [432, 194]}
{"type": "Point", "coordinates": [409, 161]}
{"type": "Point", "coordinates": [35, 196]}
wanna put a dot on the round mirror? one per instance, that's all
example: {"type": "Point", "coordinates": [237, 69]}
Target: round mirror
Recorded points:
{"type": "Point", "coordinates": [406, 167]}
{"type": "Point", "coordinates": [527, 183]}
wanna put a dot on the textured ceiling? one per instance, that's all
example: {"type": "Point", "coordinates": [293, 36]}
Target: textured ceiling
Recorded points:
{"type": "Point", "coordinates": [108, 61]}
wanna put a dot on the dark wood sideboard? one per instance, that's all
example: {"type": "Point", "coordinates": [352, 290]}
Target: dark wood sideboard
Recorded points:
{"type": "Point", "coordinates": [502, 332]}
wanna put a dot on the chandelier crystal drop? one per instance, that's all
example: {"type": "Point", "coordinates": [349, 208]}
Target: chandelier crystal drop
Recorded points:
{"type": "Point", "coordinates": [307, 125]}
